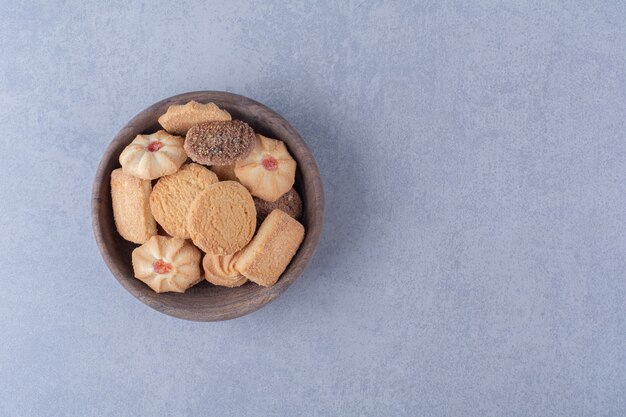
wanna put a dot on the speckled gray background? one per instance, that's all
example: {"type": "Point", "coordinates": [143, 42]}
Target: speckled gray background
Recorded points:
{"type": "Point", "coordinates": [473, 258]}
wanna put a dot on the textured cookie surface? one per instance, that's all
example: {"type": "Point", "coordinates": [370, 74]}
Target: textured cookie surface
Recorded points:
{"type": "Point", "coordinates": [180, 118]}
{"type": "Point", "coordinates": [271, 250]}
{"type": "Point", "coordinates": [269, 171]}
{"type": "Point", "coordinates": [225, 172]}
{"type": "Point", "coordinates": [173, 194]}
{"type": "Point", "coordinates": [290, 203]}
{"type": "Point", "coordinates": [222, 218]}
{"type": "Point", "coordinates": [219, 143]}
{"type": "Point", "coordinates": [167, 264]}
{"type": "Point", "coordinates": [220, 270]}
{"type": "Point", "coordinates": [151, 156]}
{"type": "Point", "coordinates": [131, 208]}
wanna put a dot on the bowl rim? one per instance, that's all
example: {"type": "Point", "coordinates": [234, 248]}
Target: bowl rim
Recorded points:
{"type": "Point", "coordinates": [313, 183]}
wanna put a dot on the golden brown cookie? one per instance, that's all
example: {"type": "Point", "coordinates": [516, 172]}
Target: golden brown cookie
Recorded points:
{"type": "Point", "coordinates": [219, 143]}
{"type": "Point", "coordinates": [131, 208]}
{"type": "Point", "coordinates": [220, 270]}
{"type": "Point", "coordinates": [173, 194]}
{"type": "Point", "coordinates": [151, 156]}
{"type": "Point", "coordinates": [225, 172]}
{"type": "Point", "coordinates": [290, 203]}
{"type": "Point", "coordinates": [271, 250]}
{"type": "Point", "coordinates": [167, 264]}
{"type": "Point", "coordinates": [222, 218]}
{"type": "Point", "coordinates": [269, 171]}
{"type": "Point", "coordinates": [180, 118]}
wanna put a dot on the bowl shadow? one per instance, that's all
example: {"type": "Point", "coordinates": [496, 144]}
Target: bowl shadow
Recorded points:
{"type": "Point", "coordinates": [342, 161]}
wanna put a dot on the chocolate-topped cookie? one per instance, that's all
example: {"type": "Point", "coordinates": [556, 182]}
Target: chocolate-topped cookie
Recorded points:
{"type": "Point", "coordinates": [219, 142]}
{"type": "Point", "coordinates": [290, 203]}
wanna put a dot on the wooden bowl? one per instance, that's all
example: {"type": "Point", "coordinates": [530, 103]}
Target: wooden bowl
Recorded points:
{"type": "Point", "coordinates": [205, 302]}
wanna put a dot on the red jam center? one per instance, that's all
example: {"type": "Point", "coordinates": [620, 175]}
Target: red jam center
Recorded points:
{"type": "Point", "coordinates": [161, 267]}
{"type": "Point", "coordinates": [155, 146]}
{"type": "Point", "coordinates": [270, 163]}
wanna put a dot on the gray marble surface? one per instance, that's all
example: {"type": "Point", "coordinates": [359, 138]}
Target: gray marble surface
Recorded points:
{"type": "Point", "coordinates": [473, 257]}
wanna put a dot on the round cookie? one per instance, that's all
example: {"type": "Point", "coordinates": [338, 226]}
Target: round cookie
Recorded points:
{"type": "Point", "coordinates": [167, 264]}
{"type": "Point", "coordinates": [219, 142]}
{"type": "Point", "coordinates": [220, 270]}
{"type": "Point", "coordinates": [269, 171]}
{"type": "Point", "coordinates": [173, 194]}
{"type": "Point", "coordinates": [290, 203]}
{"type": "Point", "coordinates": [222, 219]}
{"type": "Point", "coordinates": [151, 156]}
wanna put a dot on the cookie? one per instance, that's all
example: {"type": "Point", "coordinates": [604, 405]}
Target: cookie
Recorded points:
{"type": "Point", "coordinates": [290, 203]}
{"type": "Point", "coordinates": [131, 207]}
{"type": "Point", "coordinates": [271, 250]}
{"type": "Point", "coordinates": [269, 171]}
{"type": "Point", "coordinates": [220, 270]}
{"type": "Point", "coordinates": [173, 194]}
{"type": "Point", "coordinates": [225, 172]}
{"type": "Point", "coordinates": [222, 218]}
{"type": "Point", "coordinates": [180, 118]}
{"type": "Point", "coordinates": [219, 143]}
{"type": "Point", "coordinates": [151, 156]}
{"type": "Point", "coordinates": [167, 264]}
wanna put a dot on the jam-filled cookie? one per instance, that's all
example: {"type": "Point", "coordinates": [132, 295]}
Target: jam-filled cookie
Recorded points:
{"type": "Point", "coordinates": [269, 171]}
{"type": "Point", "coordinates": [173, 194]}
{"type": "Point", "coordinates": [222, 219]}
{"type": "Point", "coordinates": [167, 264]}
{"type": "Point", "coordinates": [271, 250]}
{"type": "Point", "coordinates": [220, 270]}
{"type": "Point", "coordinates": [180, 118]}
{"type": "Point", "coordinates": [151, 156]}
{"type": "Point", "coordinates": [219, 143]}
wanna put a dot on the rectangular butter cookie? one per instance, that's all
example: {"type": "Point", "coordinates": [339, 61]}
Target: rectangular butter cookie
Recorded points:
{"type": "Point", "coordinates": [131, 207]}
{"type": "Point", "coordinates": [266, 257]}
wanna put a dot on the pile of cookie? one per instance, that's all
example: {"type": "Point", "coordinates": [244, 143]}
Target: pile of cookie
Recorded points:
{"type": "Point", "coordinates": [234, 202]}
